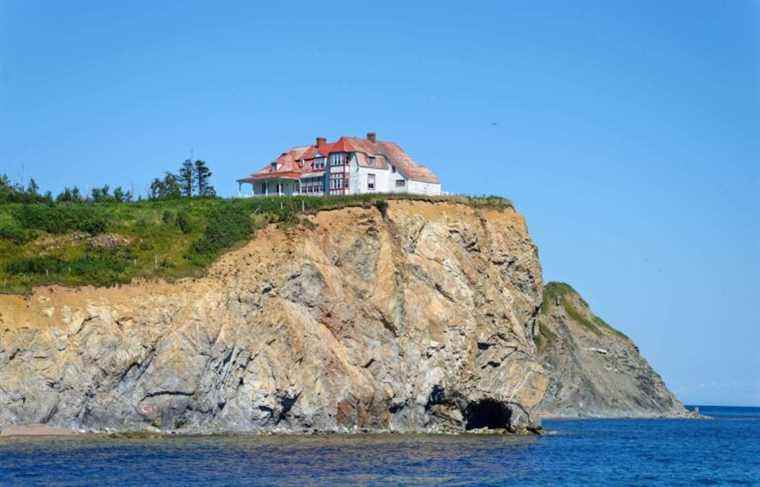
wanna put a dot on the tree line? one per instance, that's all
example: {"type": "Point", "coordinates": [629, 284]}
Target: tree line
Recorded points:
{"type": "Point", "coordinates": [192, 180]}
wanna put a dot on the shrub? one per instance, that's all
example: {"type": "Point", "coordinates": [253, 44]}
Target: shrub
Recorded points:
{"type": "Point", "coordinates": [227, 225]}
{"type": "Point", "coordinates": [61, 218]}
{"type": "Point", "coordinates": [42, 264]}
{"type": "Point", "coordinates": [168, 217]}
{"type": "Point", "coordinates": [382, 207]}
{"type": "Point", "coordinates": [183, 222]}
{"type": "Point", "coordinates": [16, 234]}
{"type": "Point", "coordinates": [100, 267]}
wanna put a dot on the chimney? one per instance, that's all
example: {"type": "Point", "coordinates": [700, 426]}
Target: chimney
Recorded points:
{"type": "Point", "coordinates": [321, 141]}
{"type": "Point", "coordinates": [372, 136]}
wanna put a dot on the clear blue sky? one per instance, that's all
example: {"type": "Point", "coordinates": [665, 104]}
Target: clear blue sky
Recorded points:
{"type": "Point", "coordinates": [627, 132]}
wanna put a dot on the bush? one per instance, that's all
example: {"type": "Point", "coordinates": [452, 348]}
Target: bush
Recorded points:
{"type": "Point", "coordinates": [168, 217]}
{"type": "Point", "coordinates": [16, 234]}
{"type": "Point", "coordinates": [61, 218]}
{"type": "Point", "coordinates": [382, 207]}
{"type": "Point", "coordinates": [42, 264]}
{"type": "Point", "coordinates": [100, 267]}
{"type": "Point", "coordinates": [226, 226]}
{"type": "Point", "coordinates": [183, 222]}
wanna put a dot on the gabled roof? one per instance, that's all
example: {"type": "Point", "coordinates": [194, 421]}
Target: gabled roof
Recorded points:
{"type": "Point", "coordinates": [299, 159]}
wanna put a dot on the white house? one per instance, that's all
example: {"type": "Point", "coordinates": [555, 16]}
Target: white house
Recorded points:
{"type": "Point", "coordinates": [350, 165]}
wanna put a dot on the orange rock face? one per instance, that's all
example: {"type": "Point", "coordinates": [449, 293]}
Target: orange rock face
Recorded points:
{"type": "Point", "coordinates": [418, 320]}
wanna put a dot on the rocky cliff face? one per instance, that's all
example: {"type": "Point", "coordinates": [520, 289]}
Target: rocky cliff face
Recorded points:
{"type": "Point", "coordinates": [415, 318]}
{"type": "Point", "coordinates": [593, 369]}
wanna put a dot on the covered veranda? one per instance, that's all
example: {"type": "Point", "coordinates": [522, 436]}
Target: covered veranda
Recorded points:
{"type": "Point", "coordinates": [270, 186]}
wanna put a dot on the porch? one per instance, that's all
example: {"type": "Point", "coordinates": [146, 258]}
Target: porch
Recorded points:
{"type": "Point", "coordinates": [270, 187]}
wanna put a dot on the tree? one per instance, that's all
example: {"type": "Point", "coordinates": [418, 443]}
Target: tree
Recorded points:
{"type": "Point", "coordinates": [172, 189]}
{"type": "Point", "coordinates": [6, 189]}
{"type": "Point", "coordinates": [186, 178]}
{"type": "Point", "coordinates": [69, 195]}
{"type": "Point", "coordinates": [202, 176]}
{"type": "Point", "coordinates": [167, 188]}
{"type": "Point", "coordinates": [121, 196]}
{"type": "Point", "coordinates": [156, 189]}
{"type": "Point", "coordinates": [33, 189]}
{"type": "Point", "coordinates": [101, 195]}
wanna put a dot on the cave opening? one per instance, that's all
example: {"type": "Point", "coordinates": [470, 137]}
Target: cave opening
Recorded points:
{"type": "Point", "coordinates": [487, 413]}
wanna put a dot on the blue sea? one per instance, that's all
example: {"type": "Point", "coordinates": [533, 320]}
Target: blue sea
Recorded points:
{"type": "Point", "coordinates": [722, 451]}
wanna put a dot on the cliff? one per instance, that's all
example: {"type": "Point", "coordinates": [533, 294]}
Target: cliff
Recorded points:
{"type": "Point", "coordinates": [410, 316]}
{"type": "Point", "coordinates": [593, 369]}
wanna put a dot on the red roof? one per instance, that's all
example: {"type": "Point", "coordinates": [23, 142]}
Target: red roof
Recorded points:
{"type": "Point", "coordinates": [299, 160]}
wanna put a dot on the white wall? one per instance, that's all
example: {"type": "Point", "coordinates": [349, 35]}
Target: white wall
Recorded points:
{"type": "Point", "coordinates": [385, 182]}
{"type": "Point", "coordinates": [418, 187]}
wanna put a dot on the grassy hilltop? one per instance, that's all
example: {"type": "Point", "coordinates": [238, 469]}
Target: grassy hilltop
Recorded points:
{"type": "Point", "coordinates": [107, 243]}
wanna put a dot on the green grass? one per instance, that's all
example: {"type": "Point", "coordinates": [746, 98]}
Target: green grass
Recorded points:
{"type": "Point", "coordinates": [562, 292]}
{"type": "Point", "coordinates": [54, 243]}
{"type": "Point", "coordinates": [544, 338]}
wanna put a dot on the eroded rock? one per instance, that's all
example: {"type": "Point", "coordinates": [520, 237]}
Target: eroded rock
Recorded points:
{"type": "Point", "coordinates": [420, 319]}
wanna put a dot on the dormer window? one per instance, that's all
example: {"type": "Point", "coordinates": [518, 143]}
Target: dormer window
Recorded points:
{"type": "Point", "coordinates": [274, 166]}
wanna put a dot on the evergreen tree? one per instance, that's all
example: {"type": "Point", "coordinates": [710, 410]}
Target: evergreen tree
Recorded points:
{"type": "Point", "coordinates": [156, 189]}
{"type": "Point", "coordinates": [33, 189]}
{"type": "Point", "coordinates": [186, 178]}
{"type": "Point", "coordinates": [69, 195]}
{"type": "Point", "coordinates": [121, 196]}
{"type": "Point", "coordinates": [172, 188]}
{"type": "Point", "coordinates": [100, 195]}
{"type": "Point", "coordinates": [202, 176]}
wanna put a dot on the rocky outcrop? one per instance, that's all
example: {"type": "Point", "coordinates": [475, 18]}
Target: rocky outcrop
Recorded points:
{"type": "Point", "coordinates": [415, 317]}
{"type": "Point", "coordinates": [594, 370]}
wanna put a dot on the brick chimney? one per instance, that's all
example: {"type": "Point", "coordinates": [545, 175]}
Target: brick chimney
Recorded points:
{"type": "Point", "coordinates": [372, 136]}
{"type": "Point", "coordinates": [321, 141]}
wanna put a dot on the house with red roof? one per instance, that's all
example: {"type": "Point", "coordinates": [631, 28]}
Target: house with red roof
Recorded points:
{"type": "Point", "coordinates": [350, 165]}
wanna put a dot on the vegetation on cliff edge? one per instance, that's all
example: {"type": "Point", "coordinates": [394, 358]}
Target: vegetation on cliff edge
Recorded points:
{"type": "Point", "coordinates": [110, 242]}
{"type": "Point", "coordinates": [560, 294]}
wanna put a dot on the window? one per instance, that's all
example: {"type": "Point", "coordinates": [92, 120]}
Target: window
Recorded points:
{"type": "Point", "coordinates": [371, 182]}
{"type": "Point", "coordinates": [319, 163]}
{"type": "Point", "coordinates": [336, 181]}
{"type": "Point", "coordinates": [393, 169]}
{"type": "Point", "coordinates": [400, 183]}
{"type": "Point", "coordinates": [312, 184]}
{"type": "Point", "coordinates": [337, 159]}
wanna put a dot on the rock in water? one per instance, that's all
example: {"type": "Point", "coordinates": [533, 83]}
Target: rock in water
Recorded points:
{"type": "Point", "coordinates": [419, 318]}
{"type": "Point", "coordinates": [594, 370]}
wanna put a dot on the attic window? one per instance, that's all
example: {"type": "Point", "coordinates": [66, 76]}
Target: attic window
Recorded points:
{"type": "Point", "coordinates": [274, 166]}
{"type": "Point", "coordinates": [393, 168]}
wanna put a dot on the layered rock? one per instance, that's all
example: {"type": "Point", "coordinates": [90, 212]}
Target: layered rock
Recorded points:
{"type": "Point", "coordinates": [415, 317]}
{"type": "Point", "coordinates": [594, 370]}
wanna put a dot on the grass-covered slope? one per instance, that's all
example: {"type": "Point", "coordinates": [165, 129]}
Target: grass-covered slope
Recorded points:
{"type": "Point", "coordinates": [560, 294]}
{"type": "Point", "coordinates": [594, 369]}
{"type": "Point", "coordinates": [109, 243]}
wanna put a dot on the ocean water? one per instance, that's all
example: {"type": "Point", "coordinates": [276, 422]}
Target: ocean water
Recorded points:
{"type": "Point", "coordinates": [725, 450]}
